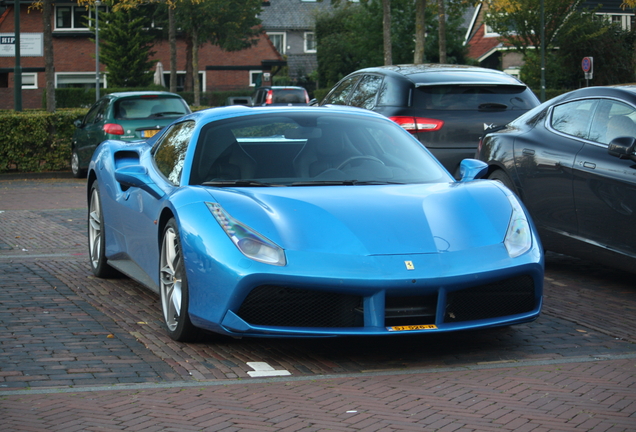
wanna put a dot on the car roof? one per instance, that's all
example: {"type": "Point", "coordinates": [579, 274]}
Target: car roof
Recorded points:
{"type": "Point", "coordinates": [219, 113]}
{"type": "Point", "coordinates": [281, 87]}
{"type": "Point", "coordinates": [141, 93]}
{"type": "Point", "coordinates": [434, 74]}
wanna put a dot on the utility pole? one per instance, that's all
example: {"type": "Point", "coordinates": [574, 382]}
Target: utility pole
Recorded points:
{"type": "Point", "coordinates": [17, 72]}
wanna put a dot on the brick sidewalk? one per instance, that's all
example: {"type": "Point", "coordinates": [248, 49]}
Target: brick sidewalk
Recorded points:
{"type": "Point", "coordinates": [573, 396]}
{"type": "Point", "coordinates": [84, 354]}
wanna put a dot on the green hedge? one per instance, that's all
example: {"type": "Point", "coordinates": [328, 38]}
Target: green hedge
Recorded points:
{"type": "Point", "coordinates": [35, 141]}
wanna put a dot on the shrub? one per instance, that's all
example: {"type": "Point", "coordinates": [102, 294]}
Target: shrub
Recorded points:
{"type": "Point", "coordinates": [34, 141]}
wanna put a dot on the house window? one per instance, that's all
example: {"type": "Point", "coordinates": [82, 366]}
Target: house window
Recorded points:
{"type": "Point", "coordinates": [29, 80]}
{"type": "Point", "coordinates": [74, 17]}
{"type": "Point", "coordinates": [181, 75]}
{"type": "Point", "coordinates": [256, 78]}
{"type": "Point", "coordinates": [310, 42]}
{"type": "Point", "coordinates": [623, 20]}
{"type": "Point", "coordinates": [278, 40]}
{"type": "Point", "coordinates": [78, 80]}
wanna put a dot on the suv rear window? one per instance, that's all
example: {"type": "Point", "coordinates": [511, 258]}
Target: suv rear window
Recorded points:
{"type": "Point", "coordinates": [473, 97]}
{"type": "Point", "coordinates": [149, 107]}
{"type": "Point", "coordinates": [289, 96]}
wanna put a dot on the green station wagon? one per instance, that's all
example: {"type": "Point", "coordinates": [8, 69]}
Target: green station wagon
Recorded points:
{"type": "Point", "coordinates": [125, 116]}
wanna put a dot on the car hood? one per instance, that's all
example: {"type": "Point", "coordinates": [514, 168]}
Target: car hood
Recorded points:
{"type": "Point", "coordinates": [373, 220]}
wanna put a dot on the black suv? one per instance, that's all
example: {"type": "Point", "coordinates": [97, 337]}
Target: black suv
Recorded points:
{"type": "Point", "coordinates": [280, 95]}
{"type": "Point", "coordinates": [447, 107]}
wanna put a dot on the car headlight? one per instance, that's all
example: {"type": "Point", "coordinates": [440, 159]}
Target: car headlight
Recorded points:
{"type": "Point", "coordinates": [249, 242]}
{"type": "Point", "coordinates": [518, 237]}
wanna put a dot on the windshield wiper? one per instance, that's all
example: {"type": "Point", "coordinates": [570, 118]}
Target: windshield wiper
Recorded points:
{"type": "Point", "coordinates": [343, 183]}
{"type": "Point", "coordinates": [240, 183]}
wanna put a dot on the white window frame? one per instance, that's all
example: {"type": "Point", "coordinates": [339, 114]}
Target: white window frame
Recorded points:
{"type": "Point", "coordinates": [305, 39]}
{"type": "Point", "coordinates": [74, 28]}
{"type": "Point", "coordinates": [86, 77]}
{"type": "Point", "coordinates": [625, 19]}
{"type": "Point", "coordinates": [284, 40]}
{"type": "Point", "coordinates": [253, 74]}
{"type": "Point", "coordinates": [34, 80]}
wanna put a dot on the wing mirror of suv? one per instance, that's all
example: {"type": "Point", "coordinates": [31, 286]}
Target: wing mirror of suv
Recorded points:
{"type": "Point", "coordinates": [623, 147]}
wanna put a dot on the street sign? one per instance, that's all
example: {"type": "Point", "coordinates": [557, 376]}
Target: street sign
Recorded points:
{"type": "Point", "coordinates": [588, 67]}
{"type": "Point", "coordinates": [588, 64]}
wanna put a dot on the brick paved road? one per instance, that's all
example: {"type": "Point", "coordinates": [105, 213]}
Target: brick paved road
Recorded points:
{"type": "Point", "coordinates": [80, 353]}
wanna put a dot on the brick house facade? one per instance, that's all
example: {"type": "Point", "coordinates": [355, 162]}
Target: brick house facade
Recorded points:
{"type": "Point", "coordinates": [486, 47]}
{"type": "Point", "coordinates": [74, 57]}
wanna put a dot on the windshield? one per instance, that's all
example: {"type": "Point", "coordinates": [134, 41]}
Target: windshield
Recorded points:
{"type": "Point", "coordinates": [304, 149]}
{"type": "Point", "coordinates": [474, 97]}
{"type": "Point", "coordinates": [150, 107]}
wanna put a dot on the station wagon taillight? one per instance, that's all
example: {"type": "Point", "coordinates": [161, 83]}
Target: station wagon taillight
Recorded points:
{"type": "Point", "coordinates": [418, 124]}
{"type": "Point", "coordinates": [270, 97]}
{"type": "Point", "coordinates": [113, 129]}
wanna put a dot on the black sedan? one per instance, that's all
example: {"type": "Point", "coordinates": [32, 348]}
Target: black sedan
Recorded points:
{"type": "Point", "coordinates": [572, 162]}
{"type": "Point", "coordinates": [447, 107]}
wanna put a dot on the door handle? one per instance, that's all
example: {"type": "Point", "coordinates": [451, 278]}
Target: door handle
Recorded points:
{"type": "Point", "coordinates": [528, 152]}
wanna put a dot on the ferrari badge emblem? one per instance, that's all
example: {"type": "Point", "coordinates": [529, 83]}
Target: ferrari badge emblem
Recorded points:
{"type": "Point", "coordinates": [409, 265]}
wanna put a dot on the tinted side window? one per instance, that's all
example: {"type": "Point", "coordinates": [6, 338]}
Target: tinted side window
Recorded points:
{"type": "Point", "coordinates": [366, 92]}
{"type": "Point", "coordinates": [339, 95]}
{"type": "Point", "coordinates": [613, 119]}
{"type": "Point", "coordinates": [170, 154]}
{"type": "Point", "coordinates": [93, 113]}
{"type": "Point", "coordinates": [574, 118]}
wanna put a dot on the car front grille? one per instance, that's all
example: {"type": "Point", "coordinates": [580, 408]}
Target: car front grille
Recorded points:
{"type": "Point", "coordinates": [272, 305]}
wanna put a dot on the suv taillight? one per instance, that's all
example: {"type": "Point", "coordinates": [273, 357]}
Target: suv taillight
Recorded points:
{"type": "Point", "coordinates": [270, 97]}
{"type": "Point", "coordinates": [113, 129]}
{"type": "Point", "coordinates": [418, 124]}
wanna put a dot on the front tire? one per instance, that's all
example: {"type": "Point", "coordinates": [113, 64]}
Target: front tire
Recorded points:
{"type": "Point", "coordinates": [504, 179]}
{"type": "Point", "coordinates": [96, 243]}
{"type": "Point", "coordinates": [174, 286]}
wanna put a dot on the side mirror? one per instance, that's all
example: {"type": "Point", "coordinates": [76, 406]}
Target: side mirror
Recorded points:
{"type": "Point", "coordinates": [137, 176]}
{"type": "Point", "coordinates": [622, 148]}
{"type": "Point", "coordinates": [78, 123]}
{"type": "Point", "coordinates": [471, 169]}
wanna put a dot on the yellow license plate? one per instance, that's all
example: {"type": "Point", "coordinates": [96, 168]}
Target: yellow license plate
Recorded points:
{"type": "Point", "coordinates": [149, 133]}
{"type": "Point", "coordinates": [412, 327]}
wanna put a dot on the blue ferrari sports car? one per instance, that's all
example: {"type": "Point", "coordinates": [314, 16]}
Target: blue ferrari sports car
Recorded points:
{"type": "Point", "coordinates": [307, 222]}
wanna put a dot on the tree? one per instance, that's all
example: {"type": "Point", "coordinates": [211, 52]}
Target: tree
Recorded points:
{"type": "Point", "coordinates": [420, 31]}
{"type": "Point", "coordinates": [229, 25]}
{"type": "Point", "coordinates": [350, 37]}
{"type": "Point", "coordinates": [519, 21]}
{"type": "Point", "coordinates": [586, 35]}
{"type": "Point", "coordinates": [441, 11]}
{"type": "Point", "coordinates": [126, 48]}
{"type": "Point", "coordinates": [386, 32]}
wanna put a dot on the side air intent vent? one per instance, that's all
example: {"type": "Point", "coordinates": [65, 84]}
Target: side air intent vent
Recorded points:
{"type": "Point", "coordinates": [271, 305]}
{"type": "Point", "coordinates": [502, 298]}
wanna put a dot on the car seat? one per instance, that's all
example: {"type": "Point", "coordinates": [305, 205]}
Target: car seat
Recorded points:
{"type": "Point", "coordinates": [321, 154]}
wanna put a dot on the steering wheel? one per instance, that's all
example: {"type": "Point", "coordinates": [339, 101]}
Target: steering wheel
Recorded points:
{"type": "Point", "coordinates": [352, 158]}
